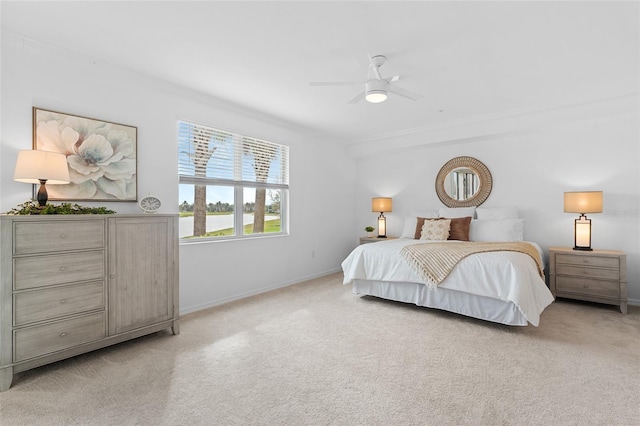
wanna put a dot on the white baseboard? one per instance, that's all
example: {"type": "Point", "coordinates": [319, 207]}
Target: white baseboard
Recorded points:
{"type": "Point", "coordinates": [190, 309]}
{"type": "Point", "coordinates": [212, 303]}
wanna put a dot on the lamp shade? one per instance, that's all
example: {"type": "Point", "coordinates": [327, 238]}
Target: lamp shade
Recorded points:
{"type": "Point", "coordinates": [33, 166]}
{"type": "Point", "coordinates": [381, 204]}
{"type": "Point", "coordinates": [583, 202]}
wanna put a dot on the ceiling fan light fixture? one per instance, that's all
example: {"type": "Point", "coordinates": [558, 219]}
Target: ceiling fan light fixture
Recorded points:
{"type": "Point", "coordinates": [376, 88]}
{"type": "Point", "coordinates": [376, 96]}
{"type": "Point", "coordinates": [376, 91]}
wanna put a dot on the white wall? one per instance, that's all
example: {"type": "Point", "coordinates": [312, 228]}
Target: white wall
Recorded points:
{"type": "Point", "coordinates": [531, 169]}
{"type": "Point", "coordinates": [533, 161]}
{"type": "Point", "coordinates": [321, 203]}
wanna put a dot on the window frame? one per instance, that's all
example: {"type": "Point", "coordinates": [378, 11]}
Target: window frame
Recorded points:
{"type": "Point", "coordinates": [238, 184]}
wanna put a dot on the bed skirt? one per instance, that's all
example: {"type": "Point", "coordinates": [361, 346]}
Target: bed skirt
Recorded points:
{"type": "Point", "coordinates": [480, 307]}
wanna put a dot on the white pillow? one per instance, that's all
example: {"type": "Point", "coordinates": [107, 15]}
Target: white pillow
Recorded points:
{"type": "Point", "coordinates": [409, 227]}
{"type": "Point", "coordinates": [435, 229]}
{"type": "Point", "coordinates": [455, 212]}
{"type": "Point", "coordinates": [497, 230]}
{"type": "Point", "coordinates": [425, 213]}
{"type": "Point", "coordinates": [497, 213]}
{"type": "Point", "coordinates": [410, 223]}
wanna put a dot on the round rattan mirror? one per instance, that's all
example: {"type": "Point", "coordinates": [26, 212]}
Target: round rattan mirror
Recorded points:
{"type": "Point", "coordinates": [463, 182]}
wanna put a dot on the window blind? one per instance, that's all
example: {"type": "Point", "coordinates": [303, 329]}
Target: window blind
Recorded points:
{"type": "Point", "coordinates": [212, 156]}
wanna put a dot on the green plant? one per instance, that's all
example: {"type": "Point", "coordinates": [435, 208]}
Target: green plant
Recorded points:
{"type": "Point", "coordinates": [33, 208]}
{"type": "Point", "coordinates": [369, 229]}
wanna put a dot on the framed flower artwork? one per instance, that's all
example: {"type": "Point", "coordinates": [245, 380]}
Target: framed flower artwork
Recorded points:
{"type": "Point", "coordinates": [101, 156]}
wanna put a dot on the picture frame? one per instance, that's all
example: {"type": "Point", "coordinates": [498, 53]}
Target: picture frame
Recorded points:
{"type": "Point", "coordinates": [101, 156]}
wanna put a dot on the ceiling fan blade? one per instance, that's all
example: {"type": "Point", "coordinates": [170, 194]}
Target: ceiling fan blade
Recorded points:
{"type": "Point", "coordinates": [393, 79]}
{"type": "Point", "coordinates": [336, 83]}
{"type": "Point", "coordinates": [405, 93]}
{"type": "Point", "coordinates": [358, 98]}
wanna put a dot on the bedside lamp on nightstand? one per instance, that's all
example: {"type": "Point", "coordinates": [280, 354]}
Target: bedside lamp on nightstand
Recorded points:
{"type": "Point", "coordinates": [382, 205]}
{"type": "Point", "coordinates": [583, 202]}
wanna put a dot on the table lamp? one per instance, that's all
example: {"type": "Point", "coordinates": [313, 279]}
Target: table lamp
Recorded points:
{"type": "Point", "coordinates": [42, 167]}
{"type": "Point", "coordinates": [382, 205]}
{"type": "Point", "coordinates": [583, 202]}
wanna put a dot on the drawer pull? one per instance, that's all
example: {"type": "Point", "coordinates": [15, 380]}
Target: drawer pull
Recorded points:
{"type": "Point", "coordinates": [63, 301]}
{"type": "Point", "coordinates": [63, 334]}
{"type": "Point", "coordinates": [586, 286]}
{"type": "Point", "coordinates": [63, 235]}
{"type": "Point", "coordinates": [62, 268]}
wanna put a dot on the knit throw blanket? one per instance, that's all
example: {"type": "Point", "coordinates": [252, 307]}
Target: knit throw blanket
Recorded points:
{"type": "Point", "coordinates": [434, 261]}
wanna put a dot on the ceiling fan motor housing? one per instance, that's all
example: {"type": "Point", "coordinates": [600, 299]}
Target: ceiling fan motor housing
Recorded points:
{"type": "Point", "coordinates": [376, 90]}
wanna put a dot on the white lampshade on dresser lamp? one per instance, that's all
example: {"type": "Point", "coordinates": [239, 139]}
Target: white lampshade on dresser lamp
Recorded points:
{"type": "Point", "coordinates": [382, 205]}
{"type": "Point", "coordinates": [583, 203]}
{"type": "Point", "coordinates": [42, 167]}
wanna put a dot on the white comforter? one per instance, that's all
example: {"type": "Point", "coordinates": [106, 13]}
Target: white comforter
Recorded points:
{"type": "Point", "coordinates": [507, 276]}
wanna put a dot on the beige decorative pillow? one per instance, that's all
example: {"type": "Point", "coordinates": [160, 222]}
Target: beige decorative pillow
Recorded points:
{"type": "Point", "coordinates": [435, 229]}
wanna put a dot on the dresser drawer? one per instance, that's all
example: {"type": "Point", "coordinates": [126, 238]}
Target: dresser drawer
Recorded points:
{"type": "Point", "coordinates": [52, 303]}
{"type": "Point", "coordinates": [603, 262]}
{"type": "Point", "coordinates": [587, 272]}
{"type": "Point", "coordinates": [31, 342]}
{"type": "Point", "coordinates": [42, 237]}
{"type": "Point", "coordinates": [610, 289]}
{"type": "Point", "coordinates": [39, 271]}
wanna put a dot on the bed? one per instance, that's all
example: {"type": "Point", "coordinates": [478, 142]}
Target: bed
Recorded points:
{"type": "Point", "coordinates": [505, 287]}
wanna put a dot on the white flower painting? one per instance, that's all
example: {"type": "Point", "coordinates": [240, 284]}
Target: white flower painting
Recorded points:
{"type": "Point", "coordinates": [101, 156]}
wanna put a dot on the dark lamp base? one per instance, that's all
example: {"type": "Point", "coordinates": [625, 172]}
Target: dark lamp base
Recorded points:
{"type": "Point", "coordinates": [583, 248]}
{"type": "Point", "coordinates": [382, 236]}
{"type": "Point", "coordinates": [42, 195]}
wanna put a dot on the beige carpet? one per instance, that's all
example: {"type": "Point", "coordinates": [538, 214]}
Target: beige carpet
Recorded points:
{"type": "Point", "coordinates": [315, 354]}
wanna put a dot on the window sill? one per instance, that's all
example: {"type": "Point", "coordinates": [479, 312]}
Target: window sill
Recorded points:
{"type": "Point", "coordinates": [204, 240]}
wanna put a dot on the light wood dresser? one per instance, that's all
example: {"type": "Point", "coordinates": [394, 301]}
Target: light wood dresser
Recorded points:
{"type": "Point", "coordinates": [73, 284]}
{"type": "Point", "coordinates": [595, 276]}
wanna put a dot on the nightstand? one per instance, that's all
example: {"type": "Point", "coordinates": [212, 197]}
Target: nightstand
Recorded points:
{"type": "Point", "coordinates": [595, 276]}
{"type": "Point", "coordinates": [366, 240]}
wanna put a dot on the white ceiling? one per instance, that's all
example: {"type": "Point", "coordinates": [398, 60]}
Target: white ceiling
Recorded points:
{"type": "Point", "coordinates": [468, 59]}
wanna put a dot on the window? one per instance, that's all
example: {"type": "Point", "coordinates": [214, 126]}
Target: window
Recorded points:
{"type": "Point", "coordinates": [231, 186]}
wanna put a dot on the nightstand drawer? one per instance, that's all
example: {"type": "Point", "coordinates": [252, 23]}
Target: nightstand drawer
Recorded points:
{"type": "Point", "coordinates": [587, 272]}
{"type": "Point", "coordinates": [586, 286]}
{"type": "Point", "coordinates": [39, 271]}
{"type": "Point", "coordinates": [42, 237]}
{"type": "Point", "coordinates": [52, 303]}
{"type": "Point", "coordinates": [31, 342]}
{"type": "Point", "coordinates": [604, 262]}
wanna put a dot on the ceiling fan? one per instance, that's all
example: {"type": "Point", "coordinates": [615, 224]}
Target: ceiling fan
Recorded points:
{"type": "Point", "coordinates": [376, 88]}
